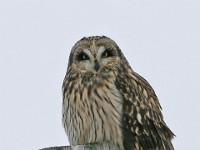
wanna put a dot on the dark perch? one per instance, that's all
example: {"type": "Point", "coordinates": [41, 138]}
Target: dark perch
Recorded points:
{"type": "Point", "coordinates": [99, 146]}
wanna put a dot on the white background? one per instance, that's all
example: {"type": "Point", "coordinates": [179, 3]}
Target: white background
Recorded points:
{"type": "Point", "coordinates": [161, 40]}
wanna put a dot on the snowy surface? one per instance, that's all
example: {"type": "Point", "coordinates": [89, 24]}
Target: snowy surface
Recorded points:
{"type": "Point", "coordinates": [161, 40]}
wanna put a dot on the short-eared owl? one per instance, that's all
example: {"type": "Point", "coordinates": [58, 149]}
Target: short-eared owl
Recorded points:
{"type": "Point", "coordinates": [104, 100]}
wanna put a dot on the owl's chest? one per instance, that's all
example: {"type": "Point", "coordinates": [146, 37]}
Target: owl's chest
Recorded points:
{"type": "Point", "coordinates": [94, 113]}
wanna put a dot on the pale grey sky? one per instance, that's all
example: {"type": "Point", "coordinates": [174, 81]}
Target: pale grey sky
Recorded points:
{"type": "Point", "coordinates": [161, 40]}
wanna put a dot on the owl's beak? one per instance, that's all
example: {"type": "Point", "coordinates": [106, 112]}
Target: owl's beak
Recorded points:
{"type": "Point", "coordinates": [96, 66]}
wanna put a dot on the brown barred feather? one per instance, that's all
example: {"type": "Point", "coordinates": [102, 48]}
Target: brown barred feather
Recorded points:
{"type": "Point", "coordinates": [142, 112]}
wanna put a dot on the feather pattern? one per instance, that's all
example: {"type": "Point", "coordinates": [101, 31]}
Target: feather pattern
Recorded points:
{"type": "Point", "coordinates": [92, 109]}
{"type": "Point", "coordinates": [142, 115]}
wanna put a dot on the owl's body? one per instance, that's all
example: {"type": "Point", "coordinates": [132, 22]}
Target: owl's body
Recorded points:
{"type": "Point", "coordinates": [104, 100]}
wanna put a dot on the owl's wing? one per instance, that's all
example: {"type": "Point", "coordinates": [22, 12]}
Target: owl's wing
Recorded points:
{"type": "Point", "coordinates": [143, 124]}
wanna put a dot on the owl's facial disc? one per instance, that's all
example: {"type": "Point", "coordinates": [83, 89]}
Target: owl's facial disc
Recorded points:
{"type": "Point", "coordinates": [94, 59]}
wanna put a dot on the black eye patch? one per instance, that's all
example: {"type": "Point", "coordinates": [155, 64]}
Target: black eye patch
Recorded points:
{"type": "Point", "coordinates": [82, 56]}
{"type": "Point", "coordinates": [107, 53]}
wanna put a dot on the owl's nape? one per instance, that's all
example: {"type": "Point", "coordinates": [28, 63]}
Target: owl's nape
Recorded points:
{"type": "Point", "coordinates": [104, 100]}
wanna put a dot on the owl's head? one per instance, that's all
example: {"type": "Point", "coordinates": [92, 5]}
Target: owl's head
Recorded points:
{"type": "Point", "coordinates": [94, 54]}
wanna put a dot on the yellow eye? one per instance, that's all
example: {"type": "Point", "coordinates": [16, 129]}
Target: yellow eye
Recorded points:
{"type": "Point", "coordinates": [107, 53]}
{"type": "Point", "coordinates": [82, 56]}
